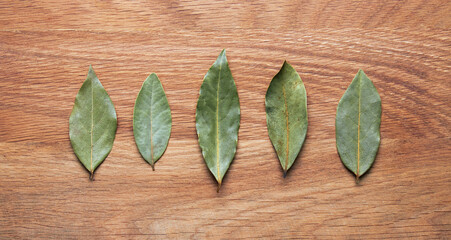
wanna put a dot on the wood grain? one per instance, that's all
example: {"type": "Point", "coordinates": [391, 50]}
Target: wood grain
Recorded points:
{"type": "Point", "coordinates": [47, 46]}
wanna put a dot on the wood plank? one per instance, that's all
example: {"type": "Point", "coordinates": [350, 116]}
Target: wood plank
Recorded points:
{"type": "Point", "coordinates": [46, 48]}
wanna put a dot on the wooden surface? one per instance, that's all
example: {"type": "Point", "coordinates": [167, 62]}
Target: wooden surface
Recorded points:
{"type": "Point", "coordinates": [47, 46]}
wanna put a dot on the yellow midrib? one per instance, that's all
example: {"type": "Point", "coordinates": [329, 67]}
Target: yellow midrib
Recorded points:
{"type": "Point", "coordinates": [288, 128]}
{"type": "Point", "coordinates": [358, 136]}
{"type": "Point", "coordinates": [92, 120]}
{"type": "Point", "coordinates": [151, 145]}
{"type": "Point", "coordinates": [217, 125]}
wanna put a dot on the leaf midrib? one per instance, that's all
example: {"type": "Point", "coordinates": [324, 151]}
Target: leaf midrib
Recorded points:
{"type": "Point", "coordinates": [217, 124]}
{"type": "Point", "coordinates": [92, 122]}
{"type": "Point", "coordinates": [288, 128]}
{"type": "Point", "coordinates": [358, 132]}
{"type": "Point", "coordinates": [150, 116]}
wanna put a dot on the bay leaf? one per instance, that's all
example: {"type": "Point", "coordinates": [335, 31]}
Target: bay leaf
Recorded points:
{"type": "Point", "coordinates": [286, 114]}
{"type": "Point", "coordinates": [152, 120]}
{"type": "Point", "coordinates": [218, 118]}
{"type": "Point", "coordinates": [357, 125]}
{"type": "Point", "coordinates": [92, 123]}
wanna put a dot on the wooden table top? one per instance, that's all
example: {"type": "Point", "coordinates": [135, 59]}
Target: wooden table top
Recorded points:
{"type": "Point", "coordinates": [46, 48]}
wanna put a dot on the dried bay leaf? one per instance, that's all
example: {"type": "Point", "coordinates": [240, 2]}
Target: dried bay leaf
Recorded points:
{"type": "Point", "coordinates": [152, 120]}
{"type": "Point", "coordinates": [286, 114]}
{"type": "Point", "coordinates": [357, 125]}
{"type": "Point", "coordinates": [92, 123]}
{"type": "Point", "coordinates": [218, 118]}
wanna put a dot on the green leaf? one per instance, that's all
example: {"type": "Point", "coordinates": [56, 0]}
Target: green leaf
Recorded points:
{"type": "Point", "coordinates": [286, 114]}
{"type": "Point", "coordinates": [92, 123]}
{"type": "Point", "coordinates": [218, 118]}
{"type": "Point", "coordinates": [152, 120]}
{"type": "Point", "coordinates": [357, 125]}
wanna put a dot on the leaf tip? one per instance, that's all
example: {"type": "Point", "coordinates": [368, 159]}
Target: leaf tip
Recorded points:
{"type": "Point", "coordinates": [285, 173]}
{"type": "Point", "coordinates": [357, 178]}
{"type": "Point", "coordinates": [361, 71]}
{"type": "Point", "coordinates": [91, 71]}
{"type": "Point", "coordinates": [153, 167]}
{"type": "Point", "coordinates": [91, 175]}
{"type": "Point", "coordinates": [286, 65]}
{"type": "Point", "coordinates": [223, 52]}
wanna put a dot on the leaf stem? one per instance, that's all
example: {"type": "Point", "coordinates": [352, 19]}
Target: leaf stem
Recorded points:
{"type": "Point", "coordinates": [219, 186]}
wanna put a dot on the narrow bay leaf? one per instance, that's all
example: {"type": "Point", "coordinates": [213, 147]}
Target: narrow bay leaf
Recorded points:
{"type": "Point", "coordinates": [286, 114]}
{"type": "Point", "coordinates": [357, 125]}
{"type": "Point", "coordinates": [218, 118]}
{"type": "Point", "coordinates": [92, 123]}
{"type": "Point", "coordinates": [152, 120]}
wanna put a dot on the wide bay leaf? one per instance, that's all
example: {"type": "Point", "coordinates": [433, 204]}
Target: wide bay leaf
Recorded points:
{"type": "Point", "coordinates": [218, 118]}
{"type": "Point", "coordinates": [286, 114]}
{"type": "Point", "coordinates": [92, 123]}
{"type": "Point", "coordinates": [152, 120]}
{"type": "Point", "coordinates": [357, 125]}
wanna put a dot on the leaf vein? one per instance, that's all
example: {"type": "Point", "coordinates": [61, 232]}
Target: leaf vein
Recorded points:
{"type": "Point", "coordinates": [217, 125]}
